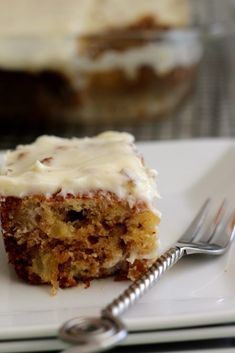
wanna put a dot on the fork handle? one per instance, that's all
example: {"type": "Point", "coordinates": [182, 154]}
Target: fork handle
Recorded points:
{"type": "Point", "coordinates": [137, 289]}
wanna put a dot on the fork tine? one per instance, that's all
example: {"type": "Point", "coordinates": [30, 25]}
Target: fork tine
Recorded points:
{"type": "Point", "coordinates": [227, 232]}
{"type": "Point", "coordinates": [196, 224]}
{"type": "Point", "coordinates": [211, 232]}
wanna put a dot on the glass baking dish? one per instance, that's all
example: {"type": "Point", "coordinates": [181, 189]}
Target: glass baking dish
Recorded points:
{"type": "Point", "coordinates": [133, 74]}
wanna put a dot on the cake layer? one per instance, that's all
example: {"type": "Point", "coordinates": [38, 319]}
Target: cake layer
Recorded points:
{"type": "Point", "coordinates": [40, 95]}
{"type": "Point", "coordinates": [98, 97]}
{"type": "Point", "coordinates": [65, 240]}
{"type": "Point", "coordinates": [142, 98]}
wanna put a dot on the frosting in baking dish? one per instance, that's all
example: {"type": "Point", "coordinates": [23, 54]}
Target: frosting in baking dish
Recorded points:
{"type": "Point", "coordinates": [106, 14]}
{"type": "Point", "coordinates": [162, 56]}
{"type": "Point", "coordinates": [63, 18]}
{"type": "Point", "coordinates": [107, 162]}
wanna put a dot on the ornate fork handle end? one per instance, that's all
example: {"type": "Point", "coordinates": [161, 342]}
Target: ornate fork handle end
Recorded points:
{"type": "Point", "coordinates": [95, 334]}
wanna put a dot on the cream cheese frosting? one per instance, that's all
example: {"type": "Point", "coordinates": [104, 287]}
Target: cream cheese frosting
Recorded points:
{"type": "Point", "coordinates": [162, 57]}
{"type": "Point", "coordinates": [115, 14]}
{"type": "Point", "coordinates": [49, 18]}
{"type": "Point", "coordinates": [107, 162]}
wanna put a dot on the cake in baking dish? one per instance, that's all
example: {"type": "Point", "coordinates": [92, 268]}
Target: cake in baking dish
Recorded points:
{"type": "Point", "coordinates": [94, 60]}
{"type": "Point", "coordinates": [77, 209]}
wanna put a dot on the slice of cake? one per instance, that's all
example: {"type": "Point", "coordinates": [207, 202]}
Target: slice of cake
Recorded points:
{"type": "Point", "coordinates": [77, 209]}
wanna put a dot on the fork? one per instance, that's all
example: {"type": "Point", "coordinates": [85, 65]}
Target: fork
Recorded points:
{"type": "Point", "coordinates": [101, 333]}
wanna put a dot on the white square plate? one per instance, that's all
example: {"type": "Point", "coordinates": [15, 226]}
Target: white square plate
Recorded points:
{"type": "Point", "coordinates": [198, 291]}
